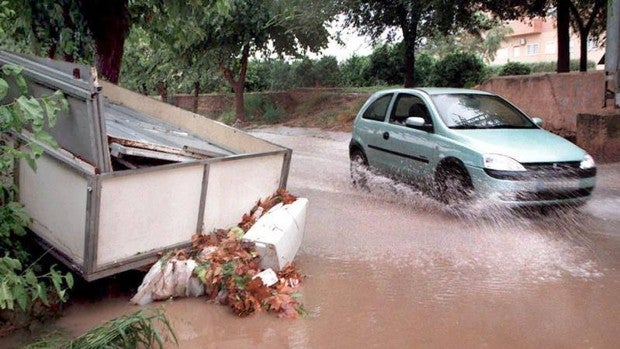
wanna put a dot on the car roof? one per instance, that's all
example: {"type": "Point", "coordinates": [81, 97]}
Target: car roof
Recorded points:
{"type": "Point", "coordinates": [436, 90]}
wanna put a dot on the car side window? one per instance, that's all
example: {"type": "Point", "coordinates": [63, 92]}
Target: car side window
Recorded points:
{"type": "Point", "coordinates": [410, 106]}
{"type": "Point", "coordinates": [378, 109]}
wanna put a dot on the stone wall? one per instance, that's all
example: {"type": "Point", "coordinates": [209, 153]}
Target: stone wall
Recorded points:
{"type": "Point", "coordinates": [556, 98]}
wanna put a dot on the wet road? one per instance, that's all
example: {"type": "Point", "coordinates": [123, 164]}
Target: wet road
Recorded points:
{"type": "Point", "coordinates": [394, 269]}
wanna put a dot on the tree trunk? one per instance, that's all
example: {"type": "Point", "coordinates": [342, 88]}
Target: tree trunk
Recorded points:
{"type": "Point", "coordinates": [563, 36]}
{"type": "Point", "coordinates": [410, 30]}
{"type": "Point", "coordinates": [584, 30]}
{"type": "Point", "coordinates": [238, 85]}
{"type": "Point", "coordinates": [108, 21]}
{"type": "Point", "coordinates": [162, 90]}
{"type": "Point", "coordinates": [583, 47]}
{"type": "Point", "coordinates": [409, 61]}
{"type": "Point", "coordinates": [196, 94]}
{"type": "Point", "coordinates": [239, 102]}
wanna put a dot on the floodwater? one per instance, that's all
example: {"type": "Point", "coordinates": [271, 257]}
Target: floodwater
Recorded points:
{"type": "Point", "coordinates": [391, 268]}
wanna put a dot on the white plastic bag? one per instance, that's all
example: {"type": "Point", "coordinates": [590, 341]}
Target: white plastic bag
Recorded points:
{"type": "Point", "coordinates": [167, 279]}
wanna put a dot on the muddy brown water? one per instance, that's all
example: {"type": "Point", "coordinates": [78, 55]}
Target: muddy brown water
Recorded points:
{"type": "Point", "coordinates": [391, 268]}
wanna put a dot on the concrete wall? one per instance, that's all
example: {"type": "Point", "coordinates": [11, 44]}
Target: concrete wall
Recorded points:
{"type": "Point", "coordinates": [599, 134]}
{"type": "Point", "coordinates": [556, 98]}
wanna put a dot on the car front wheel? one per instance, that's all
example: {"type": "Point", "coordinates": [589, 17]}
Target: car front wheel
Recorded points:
{"type": "Point", "coordinates": [453, 185]}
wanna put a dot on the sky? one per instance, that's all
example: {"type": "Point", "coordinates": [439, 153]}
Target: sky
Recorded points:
{"type": "Point", "coordinates": [353, 44]}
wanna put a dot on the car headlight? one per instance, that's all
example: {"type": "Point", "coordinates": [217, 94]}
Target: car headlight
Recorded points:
{"type": "Point", "coordinates": [587, 162]}
{"type": "Point", "coordinates": [501, 163]}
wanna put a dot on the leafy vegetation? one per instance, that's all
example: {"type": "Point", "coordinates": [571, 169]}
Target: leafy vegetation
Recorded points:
{"type": "Point", "coordinates": [23, 285]}
{"type": "Point", "coordinates": [515, 68]}
{"type": "Point", "coordinates": [147, 328]}
{"type": "Point", "coordinates": [458, 69]}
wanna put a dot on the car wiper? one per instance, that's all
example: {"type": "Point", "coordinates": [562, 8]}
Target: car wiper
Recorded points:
{"type": "Point", "coordinates": [465, 127]}
{"type": "Point", "coordinates": [508, 126]}
{"type": "Point", "coordinates": [474, 127]}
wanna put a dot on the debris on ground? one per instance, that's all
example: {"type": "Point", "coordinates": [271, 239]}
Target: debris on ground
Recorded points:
{"type": "Point", "coordinates": [227, 269]}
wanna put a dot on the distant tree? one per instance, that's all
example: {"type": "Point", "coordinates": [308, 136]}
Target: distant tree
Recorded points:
{"type": "Point", "coordinates": [385, 64]}
{"type": "Point", "coordinates": [326, 72]}
{"type": "Point", "coordinates": [588, 19]}
{"type": "Point", "coordinates": [484, 44]}
{"type": "Point", "coordinates": [424, 64]}
{"type": "Point", "coordinates": [229, 32]}
{"type": "Point", "coordinates": [458, 69]}
{"type": "Point", "coordinates": [411, 19]}
{"type": "Point", "coordinates": [352, 71]}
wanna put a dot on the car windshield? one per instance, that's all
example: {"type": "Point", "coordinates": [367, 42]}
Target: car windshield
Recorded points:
{"type": "Point", "coordinates": [474, 111]}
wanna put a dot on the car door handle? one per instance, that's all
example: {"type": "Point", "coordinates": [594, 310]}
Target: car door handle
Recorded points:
{"type": "Point", "coordinates": [386, 135]}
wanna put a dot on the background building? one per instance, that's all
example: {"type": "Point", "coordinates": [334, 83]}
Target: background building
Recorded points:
{"type": "Point", "coordinates": [536, 41]}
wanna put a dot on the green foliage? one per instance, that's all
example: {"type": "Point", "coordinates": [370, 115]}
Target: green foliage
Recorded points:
{"type": "Point", "coordinates": [23, 287]}
{"type": "Point", "coordinates": [227, 33]}
{"type": "Point", "coordinates": [485, 46]}
{"type": "Point", "coordinates": [424, 69]}
{"type": "Point", "coordinates": [551, 67]}
{"type": "Point", "coordinates": [147, 329]}
{"type": "Point", "coordinates": [458, 69]}
{"type": "Point", "coordinates": [20, 112]}
{"type": "Point", "coordinates": [515, 68]}
{"type": "Point", "coordinates": [352, 71]}
{"type": "Point", "coordinates": [386, 65]}
{"type": "Point", "coordinates": [323, 72]}
{"type": "Point", "coordinates": [51, 28]}
{"type": "Point", "coordinates": [228, 117]}
{"type": "Point", "coordinates": [412, 20]}
{"type": "Point", "coordinates": [260, 108]}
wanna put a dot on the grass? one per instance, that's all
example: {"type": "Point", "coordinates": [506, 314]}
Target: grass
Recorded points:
{"type": "Point", "coordinates": [143, 329]}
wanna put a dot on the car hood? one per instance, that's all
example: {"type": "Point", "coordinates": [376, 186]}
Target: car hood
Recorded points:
{"type": "Point", "coordinates": [523, 145]}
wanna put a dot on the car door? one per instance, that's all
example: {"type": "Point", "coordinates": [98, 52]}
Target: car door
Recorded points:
{"type": "Point", "coordinates": [372, 128]}
{"type": "Point", "coordinates": [410, 150]}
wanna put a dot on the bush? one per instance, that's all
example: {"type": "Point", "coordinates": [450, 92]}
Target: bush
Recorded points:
{"type": "Point", "coordinates": [551, 67]}
{"type": "Point", "coordinates": [352, 71]}
{"type": "Point", "coordinates": [258, 107]}
{"type": "Point", "coordinates": [515, 68]}
{"type": "Point", "coordinates": [385, 65]}
{"type": "Point", "coordinates": [423, 69]}
{"type": "Point", "coordinates": [458, 69]}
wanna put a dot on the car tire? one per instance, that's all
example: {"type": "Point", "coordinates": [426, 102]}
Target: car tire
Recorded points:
{"type": "Point", "coordinates": [359, 169]}
{"type": "Point", "coordinates": [453, 185]}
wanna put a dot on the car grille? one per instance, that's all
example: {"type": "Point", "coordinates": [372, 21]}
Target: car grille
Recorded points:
{"type": "Point", "coordinates": [547, 170]}
{"type": "Point", "coordinates": [546, 195]}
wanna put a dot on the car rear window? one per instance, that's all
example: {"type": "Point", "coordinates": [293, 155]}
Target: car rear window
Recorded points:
{"type": "Point", "coordinates": [378, 108]}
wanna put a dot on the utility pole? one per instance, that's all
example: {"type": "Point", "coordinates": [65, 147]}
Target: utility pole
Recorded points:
{"type": "Point", "coordinates": [612, 53]}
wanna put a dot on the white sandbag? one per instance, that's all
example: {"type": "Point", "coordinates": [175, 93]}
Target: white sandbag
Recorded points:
{"type": "Point", "coordinates": [166, 280]}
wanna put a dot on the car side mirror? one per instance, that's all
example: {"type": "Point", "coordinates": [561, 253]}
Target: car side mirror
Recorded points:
{"type": "Point", "coordinates": [537, 121]}
{"type": "Point", "coordinates": [414, 121]}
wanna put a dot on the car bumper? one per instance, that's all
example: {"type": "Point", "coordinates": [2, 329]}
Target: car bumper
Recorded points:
{"type": "Point", "coordinates": [533, 190]}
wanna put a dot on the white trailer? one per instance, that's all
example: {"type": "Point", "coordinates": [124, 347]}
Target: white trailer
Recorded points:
{"type": "Point", "coordinates": [100, 211]}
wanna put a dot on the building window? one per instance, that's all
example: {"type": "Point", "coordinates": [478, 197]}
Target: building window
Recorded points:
{"type": "Point", "coordinates": [532, 49]}
{"type": "Point", "coordinates": [550, 47]}
{"type": "Point", "coordinates": [516, 51]}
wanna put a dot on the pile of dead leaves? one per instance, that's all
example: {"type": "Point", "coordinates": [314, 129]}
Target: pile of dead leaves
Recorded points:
{"type": "Point", "coordinates": [262, 206]}
{"type": "Point", "coordinates": [228, 268]}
